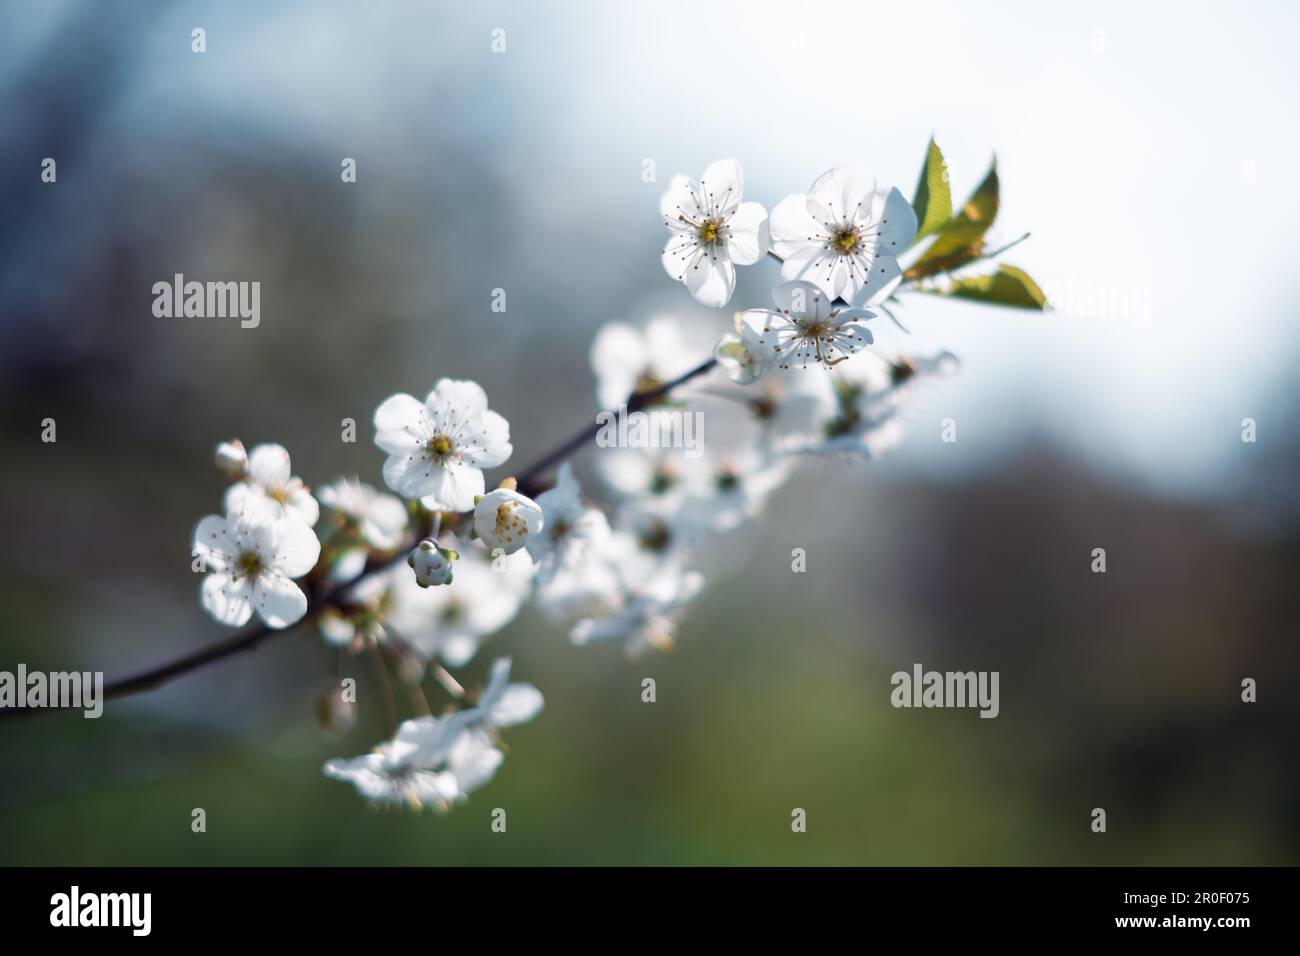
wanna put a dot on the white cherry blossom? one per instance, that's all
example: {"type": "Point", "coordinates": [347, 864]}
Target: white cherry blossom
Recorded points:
{"type": "Point", "coordinates": [432, 738]}
{"type": "Point", "coordinates": [587, 587]}
{"type": "Point", "coordinates": [392, 776]}
{"type": "Point", "coordinates": [711, 231]}
{"type": "Point", "coordinates": [806, 327]}
{"type": "Point", "coordinates": [629, 360]}
{"type": "Point", "coordinates": [473, 761]}
{"type": "Point", "coordinates": [568, 525]}
{"type": "Point", "coordinates": [844, 235]}
{"type": "Point", "coordinates": [269, 478]}
{"type": "Point", "coordinates": [647, 615]}
{"type": "Point", "coordinates": [734, 483]}
{"type": "Point", "coordinates": [790, 405]}
{"type": "Point", "coordinates": [379, 519]}
{"type": "Point", "coordinates": [745, 354]}
{"type": "Point", "coordinates": [865, 421]}
{"type": "Point", "coordinates": [504, 704]}
{"type": "Point", "coordinates": [437, 448]}
{"type": "Point", "coordinates": [451, 622]}
{"type": "Point", "coordinates": [647, 480]}
{"type": "Point", "coordinates": [253, 557]}
{"type": "Point", "coordinates": [431, 762]}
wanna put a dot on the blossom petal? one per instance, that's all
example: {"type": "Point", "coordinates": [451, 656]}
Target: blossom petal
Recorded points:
{"type": "Point", "coordinates": [667, 352]}
{"type": "Point", "coordinates": [227, 599]}
{"type": "Point", "coordinates": [721, 186]}
{"type": "Point", "coordinates": [748, 238]}
{"type": "Point", "coordinates": [410, 475]}
{"type": "Point", "coordinates": [793, 229]}
{"type": "Point", "coordinates": [451, 487]}
{"type": "Point", "coordinates": [459, 649]}
{"type": "Point", "coordinates": [680, 253]}
{"type": "Point", "coordinates": [300, 503]}
{"type": "Point", "coordinates": [752, 326]}
{"type": "Point", "coordinates": [680, 200]}
{"type": "Point", "coordinates": [897, 224]}
{"type": "Point", "coordinates": [490, 445]}
{"type": "Point", "coordinates": [517, 704]}
{"type": "Point", "coordinates": [845, 191]}
{"type": "Point", "coordinates": [474, 761]}
{"type": "Point", "coordinates": [881, 282]}
{"type": "Point", "coordinates": [268, 466]}
{"type": "Point", "coordinates": [214, 544]}
{"type": "Point", "coordinates": [617, 358]}
{"type": "Point", "coordinates": [401, 425]}
{"type": "Point", "coordinates": [802, 299]}
{"type": "Point", "coordinates": [712, 280]}
{"type": "Point", "coordinates": [239, 497]}
{"type": "Point", "coordinates": [296, 548]}
{"type": "Point", "coordinates": [280, 602]}
{"type": "Point", "coordinates": [459, 396]}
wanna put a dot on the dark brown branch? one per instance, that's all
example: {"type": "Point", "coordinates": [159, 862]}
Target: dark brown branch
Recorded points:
{"type": "Point", "coordinates": [530, 478]}
{"type": "Point", "coordinates": [248, 641]}
{"type": "Point", "coordinates": [530, 483]}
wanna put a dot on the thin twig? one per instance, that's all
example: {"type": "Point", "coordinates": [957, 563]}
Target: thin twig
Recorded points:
{"type": "Point", "coordinates": [385, 682]}
{"type": "Point", "coordinates": [1001, 249]}
{"type": "Point", "coordinates": [447, 682]}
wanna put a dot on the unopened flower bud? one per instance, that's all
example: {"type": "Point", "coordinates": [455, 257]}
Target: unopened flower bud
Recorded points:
{"type": "Point", "coordinates": [336, 709]}
{"type": "Point", "coordinates": [432, 565]}
{"type": "Point", "coordinates": [230, 460]}
{"type": "Point", "coordinates": [504, 519]}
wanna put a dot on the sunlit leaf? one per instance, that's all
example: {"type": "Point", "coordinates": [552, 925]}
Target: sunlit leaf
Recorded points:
{"type": "Point", "coordinates": [1007, 286]}
{"type": "Point", "coordinates": [933, 202]}
{"type": "Point", "coordinates": [961, 241]}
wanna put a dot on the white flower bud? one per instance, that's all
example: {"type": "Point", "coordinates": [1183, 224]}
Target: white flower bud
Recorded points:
{"type": "Point", "coordinates": [432, 565]}
{"type": "Point", "coordinates": [504, 519]}
{"type": "Point", "coordinates": [230, 460]}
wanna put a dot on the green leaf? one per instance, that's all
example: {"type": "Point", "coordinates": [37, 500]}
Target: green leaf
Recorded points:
{"type": "Point", "coordinates": [961, 241]}
{"type": "Point", "coordinates": [1008, 286]}
{"type": "Point", "coordinates": [933, 202]}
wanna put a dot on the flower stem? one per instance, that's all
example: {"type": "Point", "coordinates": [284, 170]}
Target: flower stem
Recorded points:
{"type": "Point", "coordinates": [385, 682]}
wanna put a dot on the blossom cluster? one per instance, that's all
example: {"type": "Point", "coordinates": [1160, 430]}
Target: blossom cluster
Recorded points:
{"type": "Point", "coordinates": [622, 563]}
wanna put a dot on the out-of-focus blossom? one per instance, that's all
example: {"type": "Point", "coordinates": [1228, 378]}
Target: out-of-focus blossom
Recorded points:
{"type": "Point", "coordinates": [270, 478]}
{"type": "Point", "coordinates": [628, 360]}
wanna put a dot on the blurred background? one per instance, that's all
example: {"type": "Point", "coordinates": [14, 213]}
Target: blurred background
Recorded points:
{"type": "Point", "coordinates": [1146, 148]}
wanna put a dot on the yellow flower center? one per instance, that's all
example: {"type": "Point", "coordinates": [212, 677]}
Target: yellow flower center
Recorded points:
{"type": "Point", "coordinates": [440, 446]}
{"type": "Point", "coordinates": [846, 240]}
{"type": "Point", "coordinates": [709, 232]}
